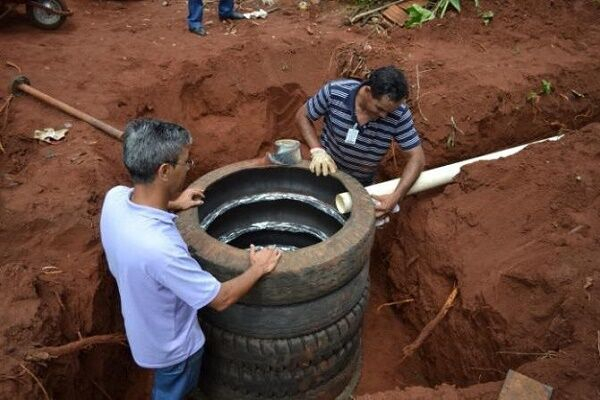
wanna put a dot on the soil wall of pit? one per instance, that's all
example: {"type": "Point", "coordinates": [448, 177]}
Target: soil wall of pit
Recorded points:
{"type": "Point", "coordinates": [519, 237]}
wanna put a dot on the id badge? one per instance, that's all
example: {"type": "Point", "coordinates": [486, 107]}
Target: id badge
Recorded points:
{"type": "Point", "coordinates": [351, 135]}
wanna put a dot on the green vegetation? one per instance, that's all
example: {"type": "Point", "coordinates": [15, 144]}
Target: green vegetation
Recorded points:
{"type": "Point", "coordinates": [545, 89]}
{"type": "Point", "coordinates": [418, 15]}
{"type": "Point", "coordinates": [442, 5]}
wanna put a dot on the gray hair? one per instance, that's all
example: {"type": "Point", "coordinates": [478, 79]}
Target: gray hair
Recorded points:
{"type": "Point", "coordinates": [149, 143]}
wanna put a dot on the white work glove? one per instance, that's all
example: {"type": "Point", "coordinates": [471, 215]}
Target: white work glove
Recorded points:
{"type": "Point", "coordinates": [321, 162]}
{"type": "Point", "coordinates": [381, 221]}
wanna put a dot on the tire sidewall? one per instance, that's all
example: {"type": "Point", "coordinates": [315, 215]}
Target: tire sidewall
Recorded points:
{"type": "Point", "coordinates": [302, 275]}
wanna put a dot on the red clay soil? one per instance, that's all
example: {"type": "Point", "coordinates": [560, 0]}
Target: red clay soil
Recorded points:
{"type": "Point", "coordinates": [501, 233]}
{"type": "Point", "coordinates": [482, 391]}
{"type": "Point", "coordinates": [520, 239]}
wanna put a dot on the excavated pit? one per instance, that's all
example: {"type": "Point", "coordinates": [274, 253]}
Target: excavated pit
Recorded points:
{"type": "Point", "coordinates": [521, 250]}
{"type": "Point", "coordinates": [479, 333]}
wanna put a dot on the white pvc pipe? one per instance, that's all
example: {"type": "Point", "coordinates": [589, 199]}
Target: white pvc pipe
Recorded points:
{"type": "Point", "coordinates": [431, 178]}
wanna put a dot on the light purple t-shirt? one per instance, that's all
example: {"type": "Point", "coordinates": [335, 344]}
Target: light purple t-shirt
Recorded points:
{"type": "Point", "coordinates": [160, 284]}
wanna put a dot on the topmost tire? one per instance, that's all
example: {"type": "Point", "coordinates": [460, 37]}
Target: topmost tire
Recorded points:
{"type": "Point", "coordinates": [304, 274]}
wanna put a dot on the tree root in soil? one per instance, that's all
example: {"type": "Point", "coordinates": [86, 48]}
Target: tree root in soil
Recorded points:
{"type": "Point", "coordinates": [4, 111]}
{"type": "Point", "coordinates": [540, 355]}
{"type": "Point", "coordinates": [394, 303]}
{"type": "Point", "coordinates": [37, 381]}
{"type": "Point", "coordinates": [5, 107]}
{"type": "Point", "coordinates": [414, 346]}
{"type": "Point", "coordinates": [598, 343]}
{"type": "Point", "coordinates": [47, 353]}
{"type": "Point", "coordinates": [418, 100]}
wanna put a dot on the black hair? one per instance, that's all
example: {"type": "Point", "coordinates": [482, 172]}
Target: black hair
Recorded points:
{"type": "Point", "coordinates": [387, 81]}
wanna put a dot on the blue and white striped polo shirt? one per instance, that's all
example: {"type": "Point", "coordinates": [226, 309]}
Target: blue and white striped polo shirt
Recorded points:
{"type": "Point", "coordinates": [335, 101]}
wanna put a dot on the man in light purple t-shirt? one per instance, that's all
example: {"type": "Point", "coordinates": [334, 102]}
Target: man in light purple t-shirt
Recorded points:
{"type": "Point", "coordinates": [161, 286]}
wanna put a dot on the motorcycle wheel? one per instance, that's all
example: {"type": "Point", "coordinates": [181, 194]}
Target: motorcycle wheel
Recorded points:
{"type": "Point", "coordinates": [46, 19]}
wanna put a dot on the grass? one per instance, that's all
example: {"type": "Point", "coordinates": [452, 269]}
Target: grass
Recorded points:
{"type": "Point", "coordinates": [418, 15]}
{"type": "Point", "coordinates": [545, 89]}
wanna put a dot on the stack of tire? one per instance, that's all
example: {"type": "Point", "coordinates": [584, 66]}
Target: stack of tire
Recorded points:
{"type": "Point", "coordinates": [297, 334]}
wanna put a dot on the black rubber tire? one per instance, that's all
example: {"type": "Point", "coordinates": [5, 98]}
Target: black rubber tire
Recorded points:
{"type": "Point", "coordinates": [268, 322]}
{"type": "Point", "coordinates": [290, 353]}
{"type": "Point", "coordinates": [337, 388]}
{"type": "Point", "coordinates": [301, 275]}
{"type": "Point", "coordinates": [282, 382]}
{"type": "Point", "coordinates": [276, 211]}
{"type": "Point", "coordinates": [347, 393]}
{"type": "Point", "coordinates": [59, 4]}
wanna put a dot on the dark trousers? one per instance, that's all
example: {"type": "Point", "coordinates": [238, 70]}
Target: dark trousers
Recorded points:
{"type": "Point", "coordinates": [196, 9]}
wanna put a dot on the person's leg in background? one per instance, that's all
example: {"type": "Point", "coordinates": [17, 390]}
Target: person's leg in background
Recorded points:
{"type": "Point", "coordinates": [176, 381]}
{"type": "Point", "coordinates": [227, 10]}
{"type": "Point", "coordinates": [195, 13]}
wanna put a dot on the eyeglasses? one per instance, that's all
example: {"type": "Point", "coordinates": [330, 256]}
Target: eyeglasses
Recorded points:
{"type": "Point", "coordinates": [189, 163]}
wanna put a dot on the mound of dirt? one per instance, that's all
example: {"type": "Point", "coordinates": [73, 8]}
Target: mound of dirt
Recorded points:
{"type": "Point", "coordinates": [519, 237]}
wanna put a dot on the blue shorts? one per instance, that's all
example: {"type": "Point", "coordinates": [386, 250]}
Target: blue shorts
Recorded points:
{"type": "Point", "coordinates": [176, 381]}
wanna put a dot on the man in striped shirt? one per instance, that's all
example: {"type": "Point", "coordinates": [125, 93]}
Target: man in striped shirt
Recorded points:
{"type": "Point", "coordinates": [361, 122]}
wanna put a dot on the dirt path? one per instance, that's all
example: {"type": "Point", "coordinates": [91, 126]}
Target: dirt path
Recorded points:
{"type": "Point", "coordinates": [237, 90]}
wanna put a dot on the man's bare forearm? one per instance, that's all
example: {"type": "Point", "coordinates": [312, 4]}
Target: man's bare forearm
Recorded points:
{"type": "Point", "coordinates": [234, 289]}
{"type": "Point", "coordinates": [412, 170]}
{"type": "Point", "coordinates": [309, 133]}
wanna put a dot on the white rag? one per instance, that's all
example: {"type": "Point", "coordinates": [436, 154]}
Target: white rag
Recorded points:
{"type": "Point", "coordinates": [256, 14]}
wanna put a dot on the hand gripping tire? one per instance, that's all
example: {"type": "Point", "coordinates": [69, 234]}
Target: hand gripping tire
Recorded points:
{"type": "Point", "coordinates": [304, 274]}
{"type": "Point", "coordinates": [290, 320]}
